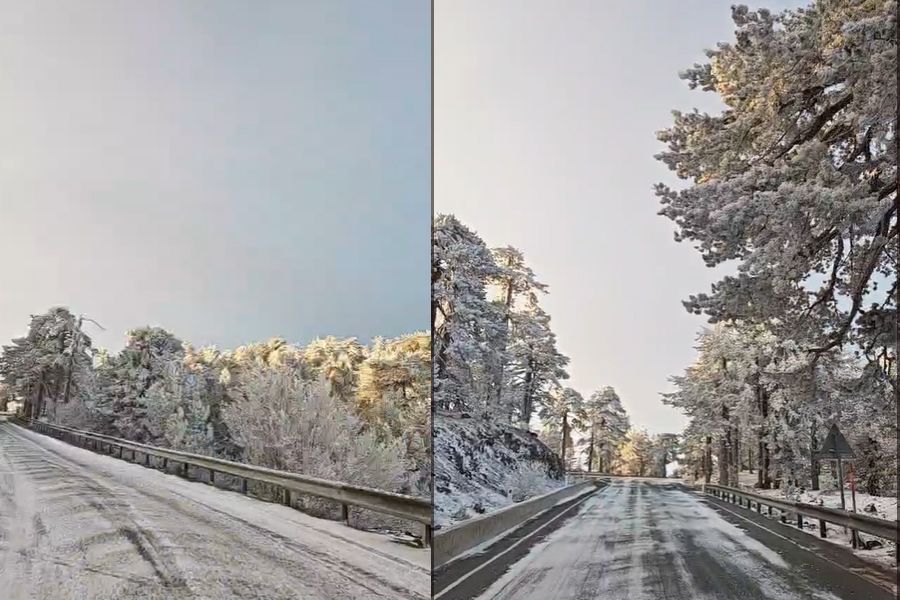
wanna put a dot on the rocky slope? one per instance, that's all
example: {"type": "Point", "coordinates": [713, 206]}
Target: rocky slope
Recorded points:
{"type": "Point", "coordinates": [476, 461]}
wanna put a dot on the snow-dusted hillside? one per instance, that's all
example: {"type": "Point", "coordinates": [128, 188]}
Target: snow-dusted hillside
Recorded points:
{"type": "Point", "coordinates": [478, 463]}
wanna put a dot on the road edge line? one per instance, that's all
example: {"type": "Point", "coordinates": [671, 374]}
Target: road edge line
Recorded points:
{"type": "Point", "coordinates": [514, 545]}
{"type": "Point", "coordinates": [877, 581]}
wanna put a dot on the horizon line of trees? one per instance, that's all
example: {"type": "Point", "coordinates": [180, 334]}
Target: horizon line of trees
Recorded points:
{"type": "Point", "coordinates": [334, 408]}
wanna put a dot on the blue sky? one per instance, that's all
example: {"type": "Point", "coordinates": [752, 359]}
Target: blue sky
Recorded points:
{"type": "Point", "coordinates": [545, 121]}
{"type": "Point", "coordinates": [231, 171]}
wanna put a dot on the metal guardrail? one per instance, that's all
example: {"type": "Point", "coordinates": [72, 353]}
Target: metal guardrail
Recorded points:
{"type": "Point", "coordinates": [881, 528]}
{"type": "Point", "coordinates": [599, 475]}
{"type": "Point", "coordinates": [458, 540]}
{"type": "Point", "coordinates": [398, 505]}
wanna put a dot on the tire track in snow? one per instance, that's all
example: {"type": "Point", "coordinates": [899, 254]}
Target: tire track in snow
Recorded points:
{"type": "Point", "coordinates": [644, 540]}
{"type": "Point", "coordinates": [206, 541]}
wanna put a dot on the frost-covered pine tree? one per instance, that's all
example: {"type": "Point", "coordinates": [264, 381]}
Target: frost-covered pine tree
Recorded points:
{"type": "Point", "coordinates": [52, 361]}
{"type": "Point", "coordinates": [796, 179]}
{"type": "Point", "coordinates": [607, 424]}
{"type": "Point", "coordinates": [128, 376]}
{"type": "Point", "coordinates": [467, 328]}
{"type": "Point", "coordinates": [562, 413]}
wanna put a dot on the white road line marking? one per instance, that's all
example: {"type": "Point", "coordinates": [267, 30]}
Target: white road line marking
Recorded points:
{"type": "Point", "coordinates": [870, 579]}
{"type": "Point", "coordinates": [484, 564]}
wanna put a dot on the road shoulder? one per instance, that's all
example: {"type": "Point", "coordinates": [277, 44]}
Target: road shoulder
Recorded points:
{"type": "Point", "coordinates": [471, 575]}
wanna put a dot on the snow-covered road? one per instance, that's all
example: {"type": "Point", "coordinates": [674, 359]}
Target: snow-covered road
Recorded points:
{"type": "Point", "coordinates": [639, 540]}
{"type": "Point", "coordinates": [79, 525]}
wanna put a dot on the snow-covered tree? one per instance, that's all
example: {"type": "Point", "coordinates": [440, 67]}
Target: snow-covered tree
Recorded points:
{"type": "Point", "coordinates": [128, 377]}
{"type": "Point", "coordinates": [468, 330]}
{"type": "Point", "coordinates": [607, 424]}
{"type": "Point", "coordinates": [636, 454]}
{"type": "Point", "coordinates": [767, 404]}
{"type": "Point", "coordinates": [283, 421]}
{"type": "Point", "coordinates": [796, 178]}
{"type": "Point", "coordinates": [562, 413]}
{"type": "Point", "coordinates": [535, 365]}
{"type": "Point", "coordinates": [50, 364]}
{"type": "Point", "coordinates": [338, 361]}
{"type": "Point", "coordinates": [492, 357]}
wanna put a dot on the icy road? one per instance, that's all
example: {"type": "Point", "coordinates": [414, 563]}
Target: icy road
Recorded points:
{"type": "Point", "coordinates": [75, 525]}
{"type": "Point", "coordinates": [653, 540]}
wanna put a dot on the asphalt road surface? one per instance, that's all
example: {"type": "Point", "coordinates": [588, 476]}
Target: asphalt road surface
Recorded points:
{"type": "Point", "coordinates": [79, 525]}
{"type": "Point", "coordinates": [655, 540]}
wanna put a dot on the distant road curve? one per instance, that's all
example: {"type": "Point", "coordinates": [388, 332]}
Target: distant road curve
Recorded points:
{"type": "Point", "coordinates": [75, 525]}
{"type": "Point", "coordinates": [649, 539]}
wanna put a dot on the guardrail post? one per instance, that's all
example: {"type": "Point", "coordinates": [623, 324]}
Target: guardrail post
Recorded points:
{"type": "Point", "coordinates": [286, 496]}
{"type": "Point", "coordinates": [165, 464]}
{"type": "Point", "coordinates": [783, 516]}
{"type": "Point", "coordinates": [184, 470]}
{"type": "Point", "coordinates": [758, 507]}
{"type": "Point", "coordinates": [821, 528]}
{"type": "Point", "coordinates": [244, 485]}
{"type": "Point", "coordinates": [769, 510]}
{"type": "Point", "coordinates": [428, 538]}
{"type": "Point", "coordinates": [799, 520]}
{"type": "Point", "coordinates": [345, 514]}
{"type": "Point", "coordinates": [146, 460]}
{"type": "Point", "coordinates": [212, 477]}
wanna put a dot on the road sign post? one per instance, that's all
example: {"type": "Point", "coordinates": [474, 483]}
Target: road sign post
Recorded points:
{"type": "Point", "coordinates": [854, 535]}
{"type": "Point", "coordinates": [837, 448]}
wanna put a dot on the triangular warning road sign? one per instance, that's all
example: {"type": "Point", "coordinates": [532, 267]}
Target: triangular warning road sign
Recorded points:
{"type": "Point", "coordinates": [835, 445]}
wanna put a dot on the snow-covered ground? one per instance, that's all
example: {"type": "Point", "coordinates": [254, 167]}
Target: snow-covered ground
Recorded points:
{"type": "Point", "coordinates": [78, 525]}
{"type": "Point", "coordinates": [885, 508]}
{"type": "Point", "coordinates": [473, 463]}
{"type": "Point", "coordinates": [644, 540]}
{"type": "Point", "coordinates": [884, 552]}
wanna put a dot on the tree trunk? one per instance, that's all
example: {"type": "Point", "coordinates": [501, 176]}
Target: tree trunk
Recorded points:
{"type": "Point", "coordinates": [498, 381]}
{"type": "Point", "coordinates": [735, 456]}
{"type": "Point", "coordinates": [707, 460]}
{"type": "Point", "coordinates": [591, 452]}
{"type": "Point", "coordinates": [750, 465]}
{"type": "Point", "coordinates": [723, 462]}
{"type": "Point", "coordinates": [36, 409]}
{"type": "Point", "coordinates": [814, 463]}
{"type": "Point", "coordinates": [565, 434]}
{"type": "Point", "coordinates": [527, 404]}
{"type": "Point", "coordinates": [764, 454]}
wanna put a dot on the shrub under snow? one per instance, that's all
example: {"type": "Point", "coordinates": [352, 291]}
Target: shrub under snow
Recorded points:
{"type": "Point", "coordinates": [284, 422]}
{"type": "Point", "coordinates": [527, 480]}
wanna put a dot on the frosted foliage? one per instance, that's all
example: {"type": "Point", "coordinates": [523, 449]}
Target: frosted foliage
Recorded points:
{"type": "Point", "coordinates": [463, 319]}
{"type": "Point", "coordinates": [636, 454]}
{"type": "Point", "coordinates": [285, 422]}
{"type": "Point", "coordinates": [796, 178]}
{"type": "Point", "coordinates": [607, 424]}
{"type": "Point", "coordinates": [178, 412]}
{"type": "Point", "coordinates": [528, 479]}
{"type": "Point", "coordinates": [495, 354]}
{"type": "Point", "coordinates": [758, 399]}
{"type": "Point", "coordinates": [50, 365]}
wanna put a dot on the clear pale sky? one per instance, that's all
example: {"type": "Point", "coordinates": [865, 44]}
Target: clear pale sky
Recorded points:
{"type": "Point", "coordinates": [545, 121]}
{"type": "Point", "coordinates": [229, 170]}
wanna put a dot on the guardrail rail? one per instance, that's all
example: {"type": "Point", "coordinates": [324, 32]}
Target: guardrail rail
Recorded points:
{"type": "Point", "coordinates": [460, 539]}
{"type": "Point", "coordinates": [880, 528]}
{"type": "Point", "coordinates": [411, 508]}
